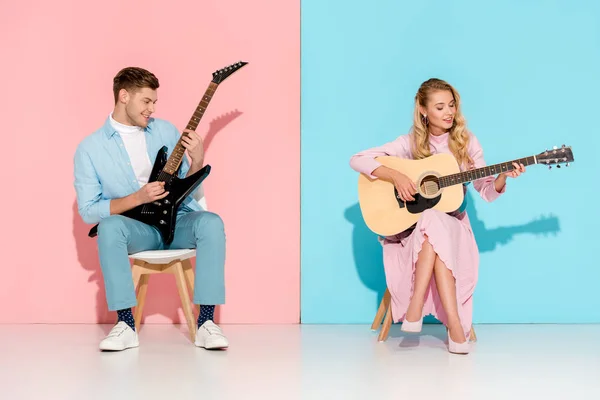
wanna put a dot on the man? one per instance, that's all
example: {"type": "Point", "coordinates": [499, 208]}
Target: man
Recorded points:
{"type": "Point", "coordinates": [112, 168]}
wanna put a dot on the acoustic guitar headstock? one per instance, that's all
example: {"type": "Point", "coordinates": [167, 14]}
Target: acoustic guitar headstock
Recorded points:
{"type": "Point", "coordinates": [556, 156]}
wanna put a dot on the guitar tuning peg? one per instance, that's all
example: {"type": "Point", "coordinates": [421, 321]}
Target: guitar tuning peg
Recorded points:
{"type": "Point", "coordinates": [558, 166]}
{"type": "Point", "coordinates": [554, 147]}
{"type": "Point", "coordinates": [549, 166]}
{"type": "Point", "coordinates": [567, 164]}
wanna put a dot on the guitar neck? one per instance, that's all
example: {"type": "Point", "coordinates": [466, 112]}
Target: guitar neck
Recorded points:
{"type": "Point", "coordinates": [177, 155]}
{"type": "Point", "coordinates": [474, 174]}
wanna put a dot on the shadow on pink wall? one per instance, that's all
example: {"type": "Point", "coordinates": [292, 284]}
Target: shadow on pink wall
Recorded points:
{"type": "Point", "coordinates": [162, 298]}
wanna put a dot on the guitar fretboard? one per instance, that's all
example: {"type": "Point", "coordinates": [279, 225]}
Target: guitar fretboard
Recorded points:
{"type": "Point", "coordinates": [474, 174]}
{"type": "Point", "coordinates": [177, 155]}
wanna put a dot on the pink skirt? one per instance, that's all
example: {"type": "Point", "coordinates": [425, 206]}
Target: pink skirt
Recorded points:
{"type": "Point", "coordinates": [453, 241]}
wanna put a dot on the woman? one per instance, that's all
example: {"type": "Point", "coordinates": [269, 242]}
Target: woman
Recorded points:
{"type": "Point", "coordinates": [432, 267]}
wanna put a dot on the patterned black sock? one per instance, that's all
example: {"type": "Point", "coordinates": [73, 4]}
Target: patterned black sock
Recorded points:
{"type": "Point", "coordinates": [206, 313]}
{"type": "Point", "coordinates": [126, 316]}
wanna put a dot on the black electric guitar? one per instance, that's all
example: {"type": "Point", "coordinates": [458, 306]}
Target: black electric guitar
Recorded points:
{"type": "Point", "coordinates": [162, 213]}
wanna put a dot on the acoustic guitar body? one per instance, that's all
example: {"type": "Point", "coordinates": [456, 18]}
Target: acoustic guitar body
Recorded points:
{"type": "Point", "coordinates": [385, 214]}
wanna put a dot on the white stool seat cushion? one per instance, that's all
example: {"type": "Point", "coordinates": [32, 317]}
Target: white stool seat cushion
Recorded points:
{"type": "Point", "coordinates": [163, 256]}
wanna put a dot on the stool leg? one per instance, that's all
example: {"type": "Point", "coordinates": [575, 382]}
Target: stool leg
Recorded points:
{"type": "Point", "coordinates": [185, 299]}
{"type": "Point", "coordinates": [387, 323]}
{"type": "Point", "coordinates": [473, 337]}
{"type": "Point", "coordinates": [385, 301]}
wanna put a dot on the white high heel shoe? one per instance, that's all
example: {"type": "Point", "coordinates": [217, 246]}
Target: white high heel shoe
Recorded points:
{"type": "Point", "coordinates": [458, 348]}
{"type": "Point", "coordinates": [412, 327]}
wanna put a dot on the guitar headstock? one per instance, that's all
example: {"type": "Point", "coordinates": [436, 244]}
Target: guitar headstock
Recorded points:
{"type": "Point", "coordinates": [224, 73]}
{"type": "Point", "coordinates": [556, 156]}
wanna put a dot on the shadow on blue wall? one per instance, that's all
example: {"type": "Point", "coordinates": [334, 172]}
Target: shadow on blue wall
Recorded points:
{"type": "Point", "coordinates": [367, 251]}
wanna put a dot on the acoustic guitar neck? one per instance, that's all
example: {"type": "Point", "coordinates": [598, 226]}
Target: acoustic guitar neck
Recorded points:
{"type": "Point", "coordinates": [484, 172]}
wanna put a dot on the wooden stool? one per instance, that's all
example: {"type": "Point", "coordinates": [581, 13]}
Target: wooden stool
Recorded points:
{"type": "Point", "coordinates": [385, 310]}
{"type": "Point", "coordinates": [176, 262]}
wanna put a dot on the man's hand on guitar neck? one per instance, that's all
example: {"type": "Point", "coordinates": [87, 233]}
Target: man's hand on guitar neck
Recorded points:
{"type": "Point", "coordinates": [150, 192]}
{"type": "Point", "coordinates": [406, 188]}
{"type": "Point", "coordinates": [194, 145]}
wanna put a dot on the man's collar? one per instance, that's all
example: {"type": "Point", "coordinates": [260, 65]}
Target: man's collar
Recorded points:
{"type": "Point", "coordinates": [109, 130]}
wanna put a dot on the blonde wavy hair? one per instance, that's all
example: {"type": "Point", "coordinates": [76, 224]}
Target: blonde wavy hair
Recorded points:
{"type": "Point", "coordinates": [459, 137]}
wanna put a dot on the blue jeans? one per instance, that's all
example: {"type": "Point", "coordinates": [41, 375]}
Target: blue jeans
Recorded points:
{"type": "Point", "coordinates": [119, 236]}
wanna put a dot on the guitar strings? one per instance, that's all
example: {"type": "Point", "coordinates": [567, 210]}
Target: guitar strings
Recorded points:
{"type": "Point", "coordinates": [163, 177]}
{"type": "Point", "coordinates": [449, 180]}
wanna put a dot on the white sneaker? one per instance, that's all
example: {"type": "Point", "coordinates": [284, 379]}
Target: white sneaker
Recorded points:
{"type": "Point", "coordinates": [121, 337]}
{"type": "Point", "coordinates": [210, 336]}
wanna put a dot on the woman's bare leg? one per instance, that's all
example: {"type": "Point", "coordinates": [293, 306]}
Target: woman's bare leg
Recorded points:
{"type": "Point", "coordinates": [423, 273]}
{"type": "Point", "coordinates": [446, 286]}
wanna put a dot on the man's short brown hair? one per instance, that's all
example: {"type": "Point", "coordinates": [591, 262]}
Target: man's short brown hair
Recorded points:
{"type": "Point", "coordinates": [132, 78]}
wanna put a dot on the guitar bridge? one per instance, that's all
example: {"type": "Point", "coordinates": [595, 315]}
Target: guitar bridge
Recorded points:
{"type": "Point", "coordinates": [419, 205]}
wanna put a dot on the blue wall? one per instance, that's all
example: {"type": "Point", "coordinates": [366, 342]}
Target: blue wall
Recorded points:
{"type": "Point", "coordinates": [529, 76]}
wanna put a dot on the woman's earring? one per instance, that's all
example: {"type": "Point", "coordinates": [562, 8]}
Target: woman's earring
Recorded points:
{"type": "Point", "coordinates": [425, 121]}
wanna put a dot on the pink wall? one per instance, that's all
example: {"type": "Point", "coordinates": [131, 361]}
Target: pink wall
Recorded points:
{"type": "Point", "coordinates": [58, 60]}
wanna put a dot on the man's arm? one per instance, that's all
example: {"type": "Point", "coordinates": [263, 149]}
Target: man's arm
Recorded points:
{"type": "Point", "coordinates": [194, 145]}
{"type": "Point", "coordinates": [92, 207]}
{"type": "Point", "coordinates": [147, 194]}
{"type": "Point", "coordinates": [88, 188]}
{"type": "Point", "coordinates": [119, 206]}
{"type": "Point", "coordinates": [193, 169]}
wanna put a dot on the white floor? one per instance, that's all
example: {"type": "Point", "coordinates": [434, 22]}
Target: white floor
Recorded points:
{"type": "Point", "coordinates": [301, 362]}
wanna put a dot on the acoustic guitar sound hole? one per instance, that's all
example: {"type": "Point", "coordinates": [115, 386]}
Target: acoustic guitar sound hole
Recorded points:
{"type": "Point", "coordinates": [429, 186]}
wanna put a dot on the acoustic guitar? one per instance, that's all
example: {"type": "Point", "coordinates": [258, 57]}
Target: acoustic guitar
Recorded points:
{"type": "Point", "coordinates": [439, 184]}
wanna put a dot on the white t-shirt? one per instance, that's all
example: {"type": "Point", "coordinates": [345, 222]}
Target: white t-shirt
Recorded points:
{"type": "Point", "coordinates": [134, 139]}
